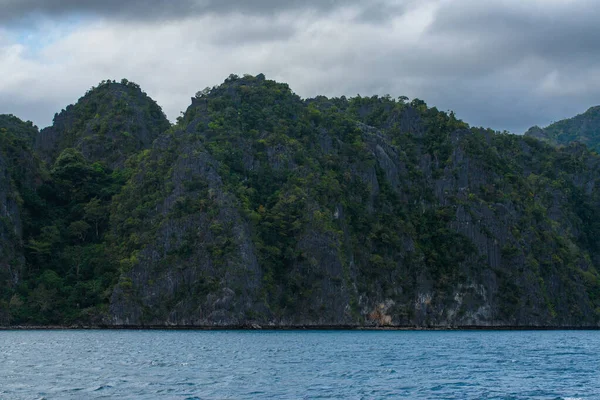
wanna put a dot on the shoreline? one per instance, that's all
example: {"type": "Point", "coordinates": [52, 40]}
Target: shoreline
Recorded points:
{"type": "Point", "coordinates": [256, 327]}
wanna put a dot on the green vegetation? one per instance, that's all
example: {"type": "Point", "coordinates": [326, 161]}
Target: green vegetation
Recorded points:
{"type": "Point", "coordinates": [108, 124]}
{"type": "Point", "coordinates": [259, 206]}
{"type": "Point", "coordinates": [584, 128]}
{"type": "Point", "coordinates": [66, 271]}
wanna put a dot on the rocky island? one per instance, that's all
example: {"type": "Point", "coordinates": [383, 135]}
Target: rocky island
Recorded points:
{"type": "Point", "coordinates": [258, 208]}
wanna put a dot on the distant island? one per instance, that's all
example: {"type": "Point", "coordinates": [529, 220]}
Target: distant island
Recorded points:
{"type": "Point", "coordinates": [261, 209]}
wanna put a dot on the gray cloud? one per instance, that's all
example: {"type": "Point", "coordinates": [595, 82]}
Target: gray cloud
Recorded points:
{"type": "Point", "coordinates": [549, 30]}
{"type": "Point", "coordinates": [533, 62]}
{"type": "Point", "coordinates": [254, 31]}
{"type": "Point", "coordinates": [505, 64]}
{"type": "Point", "coordinates": [167, 9]}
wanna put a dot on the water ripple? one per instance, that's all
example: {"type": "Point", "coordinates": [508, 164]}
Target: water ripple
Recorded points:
{"type": "Point", "coordinates": [299, 365]}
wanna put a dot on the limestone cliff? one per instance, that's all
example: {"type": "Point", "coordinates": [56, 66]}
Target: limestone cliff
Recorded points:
{"type": "Point", "coordinates": [262, 208]}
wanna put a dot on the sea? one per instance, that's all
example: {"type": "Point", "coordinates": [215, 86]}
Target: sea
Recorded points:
{"type": "Point", "coordinates": [103, 364]}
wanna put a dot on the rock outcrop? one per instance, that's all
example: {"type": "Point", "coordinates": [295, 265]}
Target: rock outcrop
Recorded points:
{"type": "Point", "coordinates": [352, 213]}
{"type": "Point", "coordinates": [261, 209]}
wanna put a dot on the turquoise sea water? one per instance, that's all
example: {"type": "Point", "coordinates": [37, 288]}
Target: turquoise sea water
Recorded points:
{"type": "Point", "coordinates": [299, 365]}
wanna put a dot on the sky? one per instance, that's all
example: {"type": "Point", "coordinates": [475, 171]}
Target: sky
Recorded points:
{"type": "Point", "coordinates": [503, 64]}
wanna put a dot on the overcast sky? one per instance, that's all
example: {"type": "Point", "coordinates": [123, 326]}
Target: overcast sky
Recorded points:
{"type": "Point", "coordinates": [504, 64]}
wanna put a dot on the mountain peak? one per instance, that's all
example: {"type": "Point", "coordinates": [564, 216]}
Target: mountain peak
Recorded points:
{"type": "Point", "coordinates": [109, 123]}
{"type": "Point", "coordinates": [254, 97]}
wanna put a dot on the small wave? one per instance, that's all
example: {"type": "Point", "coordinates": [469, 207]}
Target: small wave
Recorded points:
{"type": "Point", "coordinates": [103, 387]}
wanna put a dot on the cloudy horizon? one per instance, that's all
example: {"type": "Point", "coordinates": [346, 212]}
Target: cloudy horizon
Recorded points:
{"type": "Point", "coordinates": [504, 64]}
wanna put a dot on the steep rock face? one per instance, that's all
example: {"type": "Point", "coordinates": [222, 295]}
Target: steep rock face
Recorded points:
{"type": "Point", "coordinates": [20, 173]}
{"type": "Point", "coordinates": [195, 255]}
{"type": "Point", "coordinates": [263, 208]}
{"type": "Point", "coordinates": [528, 268]}
{"type": "Point", "coordinates": [109, 124]}
{"type": "Point", "coordinates": [11, 257]}
{"type": "Point", "coordinates": [259, 207]}
{"type": "Point", "coordinates": [583, 128]}
{"type": "Point", "coordinates": [16, 143]}
{"type": "Point", "coordinates": [10, 230]}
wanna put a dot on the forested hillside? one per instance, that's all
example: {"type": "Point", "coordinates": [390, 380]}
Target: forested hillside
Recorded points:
{"type": "Point", "coordinates": [584, 128]}
{"type": "Point", "coordinates": [261, 208]}
{"type": "Point", "coordinates": [108, 124]}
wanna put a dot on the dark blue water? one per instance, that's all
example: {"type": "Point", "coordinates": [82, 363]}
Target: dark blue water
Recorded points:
{"type": "Point", "coordinates": [299, 365]}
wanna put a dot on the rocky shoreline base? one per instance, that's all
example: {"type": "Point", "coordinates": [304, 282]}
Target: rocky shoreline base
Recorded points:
{"type": "Point", "coordinates": [257, 327]}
